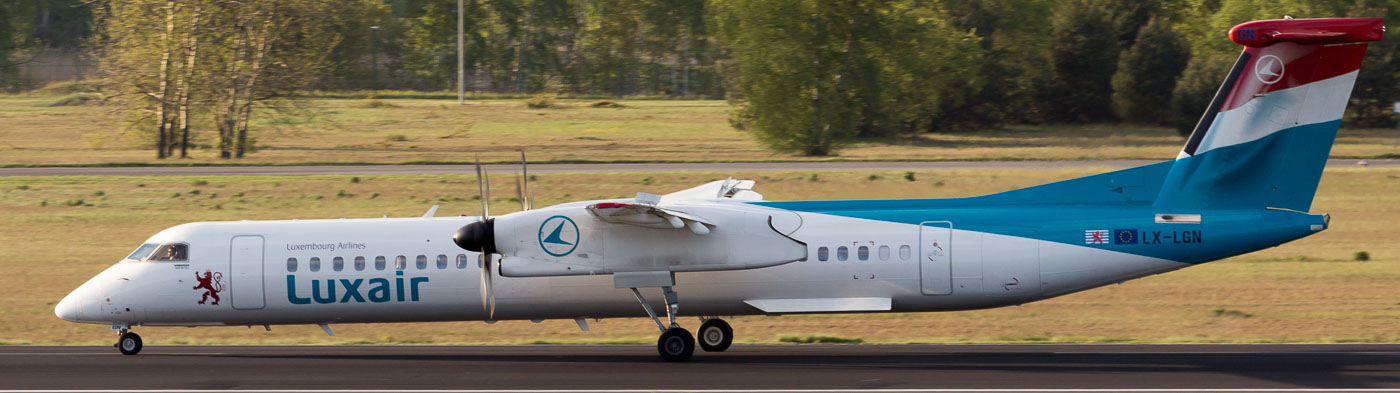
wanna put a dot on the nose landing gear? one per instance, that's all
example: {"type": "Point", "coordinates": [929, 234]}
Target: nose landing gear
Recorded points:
{"type": "Point", "coordinates": [128, 343]}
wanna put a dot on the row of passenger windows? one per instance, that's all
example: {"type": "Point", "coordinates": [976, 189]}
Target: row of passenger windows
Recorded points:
{"type": "Point", "coordinates": [862, 253]}
{"type": "Point", "coordinates": [380, 263]}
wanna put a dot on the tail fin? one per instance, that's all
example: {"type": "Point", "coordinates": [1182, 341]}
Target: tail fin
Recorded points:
{"type": "Point", "coordinates": [1266, 136]}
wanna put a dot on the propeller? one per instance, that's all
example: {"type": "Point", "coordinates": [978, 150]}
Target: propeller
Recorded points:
{"type": "Point", "coordinates": [480, 237]}
{"type": "Point", "coordinates": [526, 203]}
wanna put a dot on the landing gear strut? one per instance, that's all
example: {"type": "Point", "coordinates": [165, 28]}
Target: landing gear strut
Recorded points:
{"type": "Point", "coordinates": [128, 343]}
{"type": "Point", "coordinates": [676, 344]}
{"type": "Point", "coordinates": [715, 335]}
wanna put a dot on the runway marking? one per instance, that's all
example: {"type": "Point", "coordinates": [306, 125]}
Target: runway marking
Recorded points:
{"type": "Point", "coordinates": [706, 390]}
{"type": "Point", "coordinates": [99, 354]}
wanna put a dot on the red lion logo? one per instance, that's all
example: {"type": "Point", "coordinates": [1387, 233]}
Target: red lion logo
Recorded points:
{"type": "Point", "coordinates": [212, 283]}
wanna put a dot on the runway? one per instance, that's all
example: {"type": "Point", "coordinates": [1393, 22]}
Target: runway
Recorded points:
{"type": "Point", "coordinates": [1037, 367]}
{"type": "Point", "coordinates": [722, 167]}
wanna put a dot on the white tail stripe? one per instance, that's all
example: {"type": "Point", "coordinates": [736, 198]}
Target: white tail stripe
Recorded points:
{"type": "Point", "coordinates": [1316, 102]}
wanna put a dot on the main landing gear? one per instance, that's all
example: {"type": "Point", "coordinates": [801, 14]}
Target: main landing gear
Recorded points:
{"type": "Point", "coordinates": [128, 343]}
{"type": "Point", "coordinates": [676, 344]}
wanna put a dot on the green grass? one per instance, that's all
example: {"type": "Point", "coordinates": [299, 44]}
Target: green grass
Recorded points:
{"type": "Point", "coordinates": [1311, 290]}
{"type": "Point", "coordinates": [416, 127]}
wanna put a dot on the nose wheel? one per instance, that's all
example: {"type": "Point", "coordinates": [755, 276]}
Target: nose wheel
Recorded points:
{"type": "Point", "coordinates": [715, 335]}
{"type": "Point", "coordinates": [129, 343]}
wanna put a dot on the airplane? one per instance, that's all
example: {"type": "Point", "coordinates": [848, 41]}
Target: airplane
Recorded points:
{"type": "Point", "coordinates": [1244, 181]}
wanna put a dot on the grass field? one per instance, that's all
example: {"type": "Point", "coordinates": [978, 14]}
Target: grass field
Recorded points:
{"type": "Point", "coordinates": [390, 130]}
{"type": "Point", "coordinates": [58, 231]}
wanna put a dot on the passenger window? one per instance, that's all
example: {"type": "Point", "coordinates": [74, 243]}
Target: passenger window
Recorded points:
{"type": "Point", "coordinates": [359, 264]}
{"type": "Point", "coordinates": [461, 261]}
{"type": "Point", "coordinates": [315, 264]}
{"type": "Point", "coordinates": [379, 262]}
{"type": "Point", "coordinates": [338, 264]}
{"type": "Point", "coordinates": [841, 253]}
{"type": "Point", "coordinates": [422, 262]}
{"type": "Point", "coordinates": [904, 252]}
{"type": "Point", "coordinates": [291, 265]}
{"type": "Point", "coordinates": [441, 261]}
{"type": "Point", "coordinates": [144, 251]}
{"type": "Point", "coordinates": [400, 262]}
{"type": "Point", "coordinates": [171, 252]}
{"type": "Point", "coordinates": [863, 253]}
{"type": "Point", "coordinates": [823, 253]}
{"type": "Point", "coordinates": [884, 253]}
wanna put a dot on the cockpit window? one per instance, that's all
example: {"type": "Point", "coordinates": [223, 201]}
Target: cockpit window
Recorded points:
{"type": "Point", "coordinates": [171, 252]}
{"type": "Point", "coordinates": [144, 251]}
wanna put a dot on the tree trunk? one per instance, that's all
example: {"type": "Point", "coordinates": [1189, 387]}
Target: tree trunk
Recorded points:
{"type": "Point", "coordinates": [163, 91]}
{"type": "Point", "coordinates": [261, 45]}
{"type": "Point", "coordinates": [191, 53]}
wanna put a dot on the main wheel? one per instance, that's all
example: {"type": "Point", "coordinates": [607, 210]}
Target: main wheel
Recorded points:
{"type": "Point", "coordinates": [716, 335]}
{"type": "Point", "coordinates": [129, 344]}
{"type": "Point", "coordinates": [676, 345]}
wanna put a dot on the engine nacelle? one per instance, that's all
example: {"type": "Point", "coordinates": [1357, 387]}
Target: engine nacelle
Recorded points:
{"type": "Point", "coordinates": [569, 240]}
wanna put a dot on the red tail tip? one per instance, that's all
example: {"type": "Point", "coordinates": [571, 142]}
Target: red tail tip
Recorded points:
{"type": "Point", "coordinates": [1262, 33]}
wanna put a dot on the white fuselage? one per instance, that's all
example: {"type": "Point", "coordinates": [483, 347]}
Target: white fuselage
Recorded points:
{"type": "Point", "coordinates": [258, 285]}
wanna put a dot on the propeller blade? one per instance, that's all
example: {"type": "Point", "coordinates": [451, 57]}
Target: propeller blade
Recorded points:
{"type": "Point", "coordinates": [482, 190]}
{"type": "Point", "coordinates": [488, 293]}
{"type": "Point", "coordinates": [525, 169]}
{"type": "Point", "coordinates": [520, 193]}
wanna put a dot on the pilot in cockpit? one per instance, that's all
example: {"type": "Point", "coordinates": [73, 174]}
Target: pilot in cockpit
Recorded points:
{"type": "Point", "coordinates": [172, 252]}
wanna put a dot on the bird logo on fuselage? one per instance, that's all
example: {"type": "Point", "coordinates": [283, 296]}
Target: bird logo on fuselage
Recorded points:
{"type": "Point", "coordinates": [558, 236]}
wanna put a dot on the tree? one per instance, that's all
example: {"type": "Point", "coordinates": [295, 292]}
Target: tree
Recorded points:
{"type": "Point", "coordinates": [9, 74]}
{"type": "Point", "coordinates": [1147, 73]}
{"type": "Point", "coordinates": [1379, 80]}
{"type": "Point", "coordinates": [815, 74]}
{"type": "Point", "coordinates": [216, 58]}
{"type": "Point", "coordinates": [1084, 50]}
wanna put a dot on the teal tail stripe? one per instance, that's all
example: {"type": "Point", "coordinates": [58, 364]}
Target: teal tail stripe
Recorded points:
{"type": "Point", "coordinates": [1278, 171]}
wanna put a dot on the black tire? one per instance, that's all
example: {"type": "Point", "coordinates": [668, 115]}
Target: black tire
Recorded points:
{"type": "Point", "coordinates": [676, 345]}
{"type": "Point", "coordinates": [715, 335]}
{"type": "Point", "coordinates": [129, 344]}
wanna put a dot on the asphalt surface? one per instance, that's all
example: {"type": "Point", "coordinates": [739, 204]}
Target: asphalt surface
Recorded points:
{"type": "Point", "coordinates": [1288, 367]}
{"type": "Point", "coordinates": [734, 167]}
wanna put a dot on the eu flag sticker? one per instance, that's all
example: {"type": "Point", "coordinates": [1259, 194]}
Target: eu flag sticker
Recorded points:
{"type": "Point", "coordinates": [1125, 236]}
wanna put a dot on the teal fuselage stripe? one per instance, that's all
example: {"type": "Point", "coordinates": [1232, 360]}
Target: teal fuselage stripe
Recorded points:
{"type": "Point", "coordinates": [1235, 219]}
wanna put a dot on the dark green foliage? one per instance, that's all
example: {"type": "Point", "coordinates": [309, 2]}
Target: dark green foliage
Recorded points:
{"type": "Point", "coordinates": [1361, 256]}
{"type": "Point", "coordinates": [814, 75]}
{"type": "Point", "coordinates": [1378, 84]}
{"type": "Point", "coordinates": [1147, 74]}
{"type": "Point", "coordinates": [1195, 89]}
{"type": "Point", "coordinates": [1084, 51]}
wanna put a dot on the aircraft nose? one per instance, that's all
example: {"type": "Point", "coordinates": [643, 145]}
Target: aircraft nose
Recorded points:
{"type": "Point", "coordinates": [67, 309]}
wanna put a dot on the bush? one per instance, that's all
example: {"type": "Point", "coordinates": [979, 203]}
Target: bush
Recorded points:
{"type": "Point", "coordinates": [68, 87]}
{"type": "Point", "coordinates": [1225, 312]}
{"type": "Point", "coordinates": [373, 103]}
{"type": "Point", "coordinates": [607, 104]}
{"type": "Point", "coordinates": [820, 339]}
{"type": "Point", "coordinates": [1361, 256]}
{"type": "Point", "coordinates": [542, 102]}
{"type": "Point", "coordinates": [77, 99]}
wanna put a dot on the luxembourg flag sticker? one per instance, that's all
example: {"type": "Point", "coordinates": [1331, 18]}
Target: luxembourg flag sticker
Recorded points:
{"type": "Point", "coordinates": [1096, 236]}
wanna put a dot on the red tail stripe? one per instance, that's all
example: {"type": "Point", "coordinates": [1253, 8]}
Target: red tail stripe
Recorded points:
{"type": "Point", "coordinates": [1301, 65]}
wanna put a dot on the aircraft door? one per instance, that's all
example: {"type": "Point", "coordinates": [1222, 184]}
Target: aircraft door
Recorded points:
{"type": "Point", "coordinates": [936, 257]}
{"type": "Point", "coordinates": [246, 272]}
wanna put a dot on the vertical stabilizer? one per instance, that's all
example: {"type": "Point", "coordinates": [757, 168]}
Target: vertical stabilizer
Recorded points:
{"type": "Point", "coordinates": [1265, 138]}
